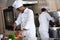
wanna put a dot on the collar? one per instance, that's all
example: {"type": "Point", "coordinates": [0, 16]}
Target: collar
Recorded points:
{"type": "Point", "coordinates": [25, 10]}
{"type": "Point", "coordinates": [44, 12]}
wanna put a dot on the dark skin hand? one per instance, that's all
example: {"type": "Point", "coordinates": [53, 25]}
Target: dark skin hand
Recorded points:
{"type": "Point", "coordinates": [14, 25]}
{"type": "Point", "coordinates": [20, 35]}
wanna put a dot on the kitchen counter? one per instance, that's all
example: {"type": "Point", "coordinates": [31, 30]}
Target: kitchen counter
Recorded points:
{"type": "Point", "coordinates": [54, 28]}
{"type": "Point", "coordinates": [54, 32]}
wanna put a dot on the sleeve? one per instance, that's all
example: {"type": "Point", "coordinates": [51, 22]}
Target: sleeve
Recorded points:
{"type": "Point", "coordinates": [49, 17]}
{"type": "Point", "coordinates": [18, 21]}
{"type": "Point", "coordinates": [29, 20]}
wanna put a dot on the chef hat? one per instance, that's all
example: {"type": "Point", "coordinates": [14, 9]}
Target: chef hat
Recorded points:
{"type": "Point", "coordinates": [47, 8]}
{"type": "Point", "coordinates": [17, 4]}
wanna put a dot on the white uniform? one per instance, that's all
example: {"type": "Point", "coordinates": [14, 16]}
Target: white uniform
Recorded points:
{"type": "Point", "coordinates": [26, 20]}
{"type": "Point", "coordinates": [44, 19]}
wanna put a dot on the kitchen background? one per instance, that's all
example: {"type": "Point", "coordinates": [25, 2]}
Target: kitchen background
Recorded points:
{"type": "Point", "coordinates": [35, 5]}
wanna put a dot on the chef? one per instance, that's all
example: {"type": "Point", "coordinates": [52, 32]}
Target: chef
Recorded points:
{"type": "Point", "coordinates": [26, 19]}
{"type": "Point", "coordinates": [44, 19]}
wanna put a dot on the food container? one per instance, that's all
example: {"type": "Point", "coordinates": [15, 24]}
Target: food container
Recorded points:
{"type": "Point", "coordinates": [1, 36]}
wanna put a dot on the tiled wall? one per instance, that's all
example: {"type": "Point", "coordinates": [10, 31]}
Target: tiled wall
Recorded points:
{"type": "Point", "coordinates": [38, 6]}
{"type": "Point", "coordinates": [52, 4]}
{"type": "Point", "coordinates": [58, 4]}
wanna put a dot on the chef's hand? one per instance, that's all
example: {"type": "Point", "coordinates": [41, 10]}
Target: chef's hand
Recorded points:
{"type": "Point", "coordinates": [21, 33]}
{"type": "Point", "coordinates": [21, 36]}
{"type": "Point", "coordinates": [14, 25]}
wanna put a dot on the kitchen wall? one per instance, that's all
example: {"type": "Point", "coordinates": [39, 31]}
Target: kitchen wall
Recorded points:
{"type": "Point", "coordinates": [2, 6]}
{"type": "Point", "coordinates": [9, 2]}
{"type": "Point", "coordinates": [52, 4]}
{"type": "Point", "coordinates": [38, 6]}
{"type": "Point", "coordinates": [58, 4]}
{"type": "Point", "coordinates": [1, 22]}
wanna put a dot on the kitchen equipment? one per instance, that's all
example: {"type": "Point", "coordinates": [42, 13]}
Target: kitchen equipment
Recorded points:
{"type": "Point", "coordinates": [54, 33]}
{"type": "Point", "coordinates": [54, 30]}
{"type": "Point", "coordinates": [56, 16]}
{"type": "Point", "coordinates": [9, 17]}
{"type": "Point", "coordinates": [1, 36]}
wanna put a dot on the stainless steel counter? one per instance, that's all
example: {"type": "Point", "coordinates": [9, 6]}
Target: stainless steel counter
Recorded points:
{"type": "Point", "coordinates": [54, 28]}
{"type": "Point", "coordinates": [54, 32]}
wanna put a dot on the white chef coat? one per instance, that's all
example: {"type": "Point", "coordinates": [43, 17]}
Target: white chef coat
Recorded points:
{"type": "Point", "coordinates": [26, 19]}
{"type": "Point", "coordinates": [44, 19]}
